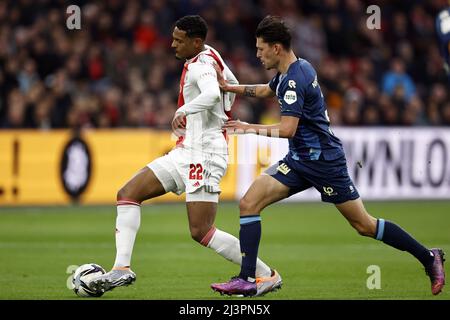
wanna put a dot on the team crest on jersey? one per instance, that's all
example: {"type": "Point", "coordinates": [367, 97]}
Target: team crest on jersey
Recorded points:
{"type": "Point", "coordinates": [290, 97]}
{"type": "Point", "coordinates": [283, 168]}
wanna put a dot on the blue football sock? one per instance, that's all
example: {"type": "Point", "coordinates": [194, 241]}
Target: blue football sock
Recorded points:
{"type": "Point", "coordinates": [249, 236]}
{"type": "Point", "coordinates": [396, 237]}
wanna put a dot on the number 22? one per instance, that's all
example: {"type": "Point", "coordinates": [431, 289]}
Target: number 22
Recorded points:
{"type": "Point", "coordinates": [195, 171]}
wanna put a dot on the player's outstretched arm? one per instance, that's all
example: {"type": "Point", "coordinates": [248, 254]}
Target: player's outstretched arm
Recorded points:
{"type": "Point", "coordinates": [285, 129]}
{"type": "Point", "coordinates": [257, 90]}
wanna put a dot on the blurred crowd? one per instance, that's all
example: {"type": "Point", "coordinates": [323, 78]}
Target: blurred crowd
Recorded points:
{"type": "Point", "coordinates": [118, 70]}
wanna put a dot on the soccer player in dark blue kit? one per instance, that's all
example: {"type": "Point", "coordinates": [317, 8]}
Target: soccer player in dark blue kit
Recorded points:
{"type": "Point", "coordinates": [315, 159]}
{"type": "Point", "coordinates": [443, 33]}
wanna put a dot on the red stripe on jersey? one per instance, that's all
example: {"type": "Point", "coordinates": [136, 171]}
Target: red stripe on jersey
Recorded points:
{"type": "Point", "coordinates": [215, 57]}
{"type": "Point", "coordinates": [181, 96]}
{"type": "Point", "coordinates": [181, 99]}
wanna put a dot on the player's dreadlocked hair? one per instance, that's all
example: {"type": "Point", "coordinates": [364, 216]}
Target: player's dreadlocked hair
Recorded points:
{"type": "Point", "coordinates": [272, 29]}
{"type": "Point", "coordinates": [195, 26]}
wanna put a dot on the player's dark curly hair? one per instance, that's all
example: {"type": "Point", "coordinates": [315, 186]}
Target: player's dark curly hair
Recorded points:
{"type": "Point", "coordinates": [195, 26]}
{"type": "Point", "coordinates": [272, 29]}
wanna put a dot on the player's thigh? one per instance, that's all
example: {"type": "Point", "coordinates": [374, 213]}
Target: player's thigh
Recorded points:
{"type": "Point", "coordinates": [142, 186]}
{"type": "Point", "coordinates": [330, 178]}
{"type": "Point", "coordinates": [201, 214]}
{"type": "Point", "coordinates": [357, 215]}
{"type": "Point", "coordinates": [264, 191]}
{"type": "Point", "coordinates": [201, 210]}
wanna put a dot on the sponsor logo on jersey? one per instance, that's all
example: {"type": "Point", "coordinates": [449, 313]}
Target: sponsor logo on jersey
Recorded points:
{"type": "Point", "coordinates": [329, 191]}
{"type": "Point", "coordinates": [290, 96]}
{"type": "Point", "coordinates": [283, 168]}
{"type": "Point", "coordinates": [292, 84]}
{"type": "Point", "coordinates": [208, 74]}
{"type": "Point", "coordinates": [315, 82]}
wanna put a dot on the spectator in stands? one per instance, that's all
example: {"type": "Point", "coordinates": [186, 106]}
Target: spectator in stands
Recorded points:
{"type": "Point", "coordinates": [118, 71]}
{"type": "Point", "coordinates": [397, 80]}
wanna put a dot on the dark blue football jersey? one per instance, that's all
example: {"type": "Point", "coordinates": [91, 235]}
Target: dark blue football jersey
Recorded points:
{"type": "Point", "coordinates": [443, 33]}
{"type": "Point", "coordinates": [299, 95]}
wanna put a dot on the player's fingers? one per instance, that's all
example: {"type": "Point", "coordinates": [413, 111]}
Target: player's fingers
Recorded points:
{"type": "Point", "coordinates": [229, 125]}
{"type": "Point", "coordinates": [178, 122]}
{"type": "Point", "coordinates": [179, 131]}
{"type": "Point", "coordinates": [217, 68]}
{"type": "Point", "coordinates": [229, 130]}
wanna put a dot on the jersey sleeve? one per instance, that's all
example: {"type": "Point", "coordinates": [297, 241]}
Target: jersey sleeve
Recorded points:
{"type": "Point", "coordinates": [443, 33]}
{"type": "Point", "coordinates": [293, 98]}
{"type": "Point", "coordinates": [205, 77]}
{"type": "Point", "coordinates": [274, 82]}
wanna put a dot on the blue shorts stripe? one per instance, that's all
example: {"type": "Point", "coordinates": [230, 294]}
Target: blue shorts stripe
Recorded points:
{"type": "Point", "coordinates": [380, 228]}
{"type": "Point", "coordinates": [247, 220]}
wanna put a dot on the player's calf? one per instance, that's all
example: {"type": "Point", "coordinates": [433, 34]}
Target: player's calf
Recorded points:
{"type": "Point", "coordinates": [365, 229]}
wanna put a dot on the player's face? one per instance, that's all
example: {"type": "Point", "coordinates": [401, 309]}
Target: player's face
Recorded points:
{"type": "Point", "coordinates": [185, 47]}
{"type": "Point", "coordinates": [267, 53]}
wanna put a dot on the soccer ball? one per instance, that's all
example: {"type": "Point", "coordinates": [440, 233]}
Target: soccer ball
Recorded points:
{"type": "Point", "coordinates": [81, 277]}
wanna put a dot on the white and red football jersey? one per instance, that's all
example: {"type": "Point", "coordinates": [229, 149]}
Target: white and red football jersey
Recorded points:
{"type": "Point", "coordinates": [206, 108]}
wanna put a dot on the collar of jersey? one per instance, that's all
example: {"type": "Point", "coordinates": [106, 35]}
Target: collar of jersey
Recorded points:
{"type": "Point", "coordinates": [287, 71]}
{"type": "Point", "coordinates": [191, 59]}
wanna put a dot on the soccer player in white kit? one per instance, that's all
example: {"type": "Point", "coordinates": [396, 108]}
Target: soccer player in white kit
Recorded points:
{"type": "Point", "coordinates": [195, 166]}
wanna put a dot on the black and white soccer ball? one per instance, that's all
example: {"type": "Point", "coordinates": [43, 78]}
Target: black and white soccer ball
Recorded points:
{"type": "Point", "coordinates": [83, 275]}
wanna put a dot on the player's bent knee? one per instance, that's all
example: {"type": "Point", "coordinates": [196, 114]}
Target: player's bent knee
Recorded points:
{"type": "Point", "coordinates": [197, 234]}
{"type": "Point", "coordinates": [247, 206]}
{"type": "Point", "coordinates": [124, 193]}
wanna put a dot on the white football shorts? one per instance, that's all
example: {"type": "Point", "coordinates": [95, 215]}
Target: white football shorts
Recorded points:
{"type": "Point", "coordinates": [196, 173]}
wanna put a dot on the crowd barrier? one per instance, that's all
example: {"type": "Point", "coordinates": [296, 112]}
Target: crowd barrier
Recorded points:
{"type": "Point", "coordinates": [61, 167]}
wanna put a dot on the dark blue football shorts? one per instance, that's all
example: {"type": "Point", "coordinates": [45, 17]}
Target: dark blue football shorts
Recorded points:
{"type": "Point", "coordinates": [330, 178]}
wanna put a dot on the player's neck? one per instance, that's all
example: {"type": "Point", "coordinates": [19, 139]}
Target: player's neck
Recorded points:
{"type": "Point", "coordinates": [203, 48]}
{"type": "Point", "coordinates": [286, 61]}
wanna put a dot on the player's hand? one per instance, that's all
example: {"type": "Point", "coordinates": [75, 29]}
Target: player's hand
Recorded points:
{"type": "Point", "coordinates": [179, 124]}
{"type": "Point", "coordinates": [236, 127]}
{"type": "Point", "coordinates": [223, 85]}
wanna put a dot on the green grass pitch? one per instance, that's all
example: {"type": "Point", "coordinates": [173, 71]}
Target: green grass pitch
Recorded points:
{"type": "Point", "coordinates": [317, 253]}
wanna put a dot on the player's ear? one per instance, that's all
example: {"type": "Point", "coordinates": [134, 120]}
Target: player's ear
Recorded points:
{"type": "Point", "coordinates": [198, 42]}
{"type": "Point", "coordinates": [277, 48]}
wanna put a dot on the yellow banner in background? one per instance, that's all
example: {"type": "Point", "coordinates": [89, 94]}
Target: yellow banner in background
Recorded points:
{"type": "Point", "coordinates": [29, 167]}
{"type": "Point", "coordinates": [43, 167]}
